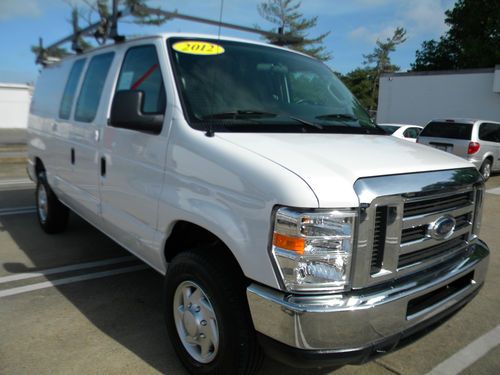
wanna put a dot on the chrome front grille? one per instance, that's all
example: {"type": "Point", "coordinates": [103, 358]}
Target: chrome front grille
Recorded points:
{"type": "Point", "coordinates": [422, 212]}
{"type": "Point", "coordinates": [396, 235]}
{"type": "Point", "coordinates": [437, 204]}
{"type": "Point", "coordinates": [379, 239]}
{"type": "Point", "coordinates": [446, 249]}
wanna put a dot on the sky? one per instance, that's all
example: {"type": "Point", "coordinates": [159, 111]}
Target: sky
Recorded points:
{"type": "Point", "coordinates": [354, 25]}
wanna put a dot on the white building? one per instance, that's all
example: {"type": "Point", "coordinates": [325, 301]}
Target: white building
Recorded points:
{"type": "Point", "coordinates": [14, 105]}
{"type": "Point", "coordinates": [418, 97]}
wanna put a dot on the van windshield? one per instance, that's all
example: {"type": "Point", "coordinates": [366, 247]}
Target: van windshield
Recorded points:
{"type": "Point", "coordinates": [235, 86]}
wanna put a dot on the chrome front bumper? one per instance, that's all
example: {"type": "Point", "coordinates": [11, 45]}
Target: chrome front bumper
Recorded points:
{"type": "Point", "coordinates": [366, 317]}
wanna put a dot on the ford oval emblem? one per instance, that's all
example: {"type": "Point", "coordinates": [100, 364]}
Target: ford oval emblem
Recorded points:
{"type": "Point", "coordinates": [442, 228]}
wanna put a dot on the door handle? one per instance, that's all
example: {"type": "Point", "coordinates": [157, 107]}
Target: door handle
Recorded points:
{"type": "Point", "coordinates": [72, 156]}
{"type": "Point", "coordinates": [103, 166]}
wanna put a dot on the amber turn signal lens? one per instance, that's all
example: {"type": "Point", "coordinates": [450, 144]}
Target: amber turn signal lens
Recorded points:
{"type": "Point", "coordinates": [296, 244]}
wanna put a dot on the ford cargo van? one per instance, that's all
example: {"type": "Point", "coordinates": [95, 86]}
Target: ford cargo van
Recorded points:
{"type": "Point", "coordinates": [285, 221]}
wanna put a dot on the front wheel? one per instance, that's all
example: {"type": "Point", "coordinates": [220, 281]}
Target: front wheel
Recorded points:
{"type": "Point", "coordinates": [52, 214]}
{"type": "Point", "coordinates": [207, 316]}
{"type": "Point", "coordinates": [486, 169]}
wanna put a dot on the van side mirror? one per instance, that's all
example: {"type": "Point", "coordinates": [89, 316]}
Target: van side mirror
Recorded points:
{"type": "Point", "coordinates": [126, 112]}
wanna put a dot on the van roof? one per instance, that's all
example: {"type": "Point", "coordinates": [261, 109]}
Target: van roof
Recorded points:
{"type": "Point", "coordinates": [167, 35]}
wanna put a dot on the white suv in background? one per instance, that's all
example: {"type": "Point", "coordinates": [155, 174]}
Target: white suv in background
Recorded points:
{"type": "Point", "coordinates": [475, 140]}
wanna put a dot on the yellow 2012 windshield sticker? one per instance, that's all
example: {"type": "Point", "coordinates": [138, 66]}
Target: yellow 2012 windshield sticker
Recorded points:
{"type": "Point", "coordinates": [196, 47]}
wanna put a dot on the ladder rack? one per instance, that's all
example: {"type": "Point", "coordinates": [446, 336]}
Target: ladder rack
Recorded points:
{"type": "Point", "coordinates": [107, 28]}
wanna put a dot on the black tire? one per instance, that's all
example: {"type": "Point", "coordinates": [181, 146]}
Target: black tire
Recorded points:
{"type": "Point", "coordinates": [52, 215]}
{"type": "Point", "coordinates": [486, 169]}
{"type": "Point", "coordinates": [238, 350]}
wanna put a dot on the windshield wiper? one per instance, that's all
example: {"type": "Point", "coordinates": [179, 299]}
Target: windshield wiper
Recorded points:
{"type": "Point", "coordinates": [337, 116]}
{"type": "Point", "coordinates": [253, 116]}
{"type": "Point", "coordinates": [239, 114]}
{"type": "Point", "coordinates": [305, 122]}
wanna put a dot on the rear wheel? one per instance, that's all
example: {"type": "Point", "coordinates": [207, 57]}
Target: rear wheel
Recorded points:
{"type": "Point", "coordinates": [52, 214]}
{"type": "Point", "coordinates": [207, 316]}
{"type": "Point", "coordinates": [486, 169]}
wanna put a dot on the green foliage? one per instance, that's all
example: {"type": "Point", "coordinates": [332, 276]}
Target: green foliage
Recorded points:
{"type": "Point", "coordinates": [364, 82]}
{"type": "Point", "coordinates": [379, 62]}
{"type": "Point", "coordinates": [89, 12]}
{"type": "Point", "coordinates": [361, 81]}
{"type": "Point", "coordinates": [58, 52]}
{"type": "Point", "coordinates": [380, 55]}
{"type": "Point", "coordinates": [473, 40]}
{"type": "Point", "coordinates": [142, 18]}
{"type": "Point", "coordinates": [294, 26]}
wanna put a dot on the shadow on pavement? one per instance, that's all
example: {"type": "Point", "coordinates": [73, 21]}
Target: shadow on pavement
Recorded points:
{"type": "Point", "coordinates": [127, 308]}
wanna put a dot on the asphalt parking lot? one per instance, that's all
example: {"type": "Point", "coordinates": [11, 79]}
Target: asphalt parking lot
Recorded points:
{"type": "Point", "coordinates": [77, 303]}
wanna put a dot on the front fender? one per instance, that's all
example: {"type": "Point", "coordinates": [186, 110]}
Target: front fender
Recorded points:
{"type": "Point", "coordinates": [231, 192]}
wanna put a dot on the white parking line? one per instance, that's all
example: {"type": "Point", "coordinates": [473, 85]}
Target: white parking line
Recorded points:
{"type": "Point", "coordinates": [70, 280]}
{"type": "Point", "coordinates": [20, 181]}
{"type": "Point", "coordinates": [72, 267]}
{"type": "Point", "coordinates": [494, 191]}
{"type": "Point", "coordinates": [468, 355]}
{"type": "Point", "coordinates": [17, 210]}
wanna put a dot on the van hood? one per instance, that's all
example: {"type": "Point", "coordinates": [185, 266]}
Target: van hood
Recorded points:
{"type": "Point", "coordinates": [331, 163]}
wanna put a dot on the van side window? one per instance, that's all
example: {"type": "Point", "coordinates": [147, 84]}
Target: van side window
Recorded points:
{"type": "Point", "coordinates": [90, 93]}
{"type": "Point", "coordinates": [70, 89]}
{"type": "Point", "coordinates": [489, 132]}
{"type": "Point", "coordinates": [141, 71]}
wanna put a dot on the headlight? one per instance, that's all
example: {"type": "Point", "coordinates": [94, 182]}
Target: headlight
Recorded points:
{"type": "Point", "coordinates": [313, 249]}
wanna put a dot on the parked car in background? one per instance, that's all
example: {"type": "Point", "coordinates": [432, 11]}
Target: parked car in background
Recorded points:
{"type": "Point", "coordinates": [406, 132]}
{"type": "Point", "coordinates": [475, 140]}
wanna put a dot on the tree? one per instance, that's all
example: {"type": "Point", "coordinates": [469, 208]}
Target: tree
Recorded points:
{"type": "Point", "coordinates": [101, 10]}
{"type": "Point", "coordinates": [473, 40]}
{"type": "Point", "coordinates": [361, 81]}
{"type": "Point", "coordinates": [294, 27]}
{"type": "Point", "coordinates": [380, 57]}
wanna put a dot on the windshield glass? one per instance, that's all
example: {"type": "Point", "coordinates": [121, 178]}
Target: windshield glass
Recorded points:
{"type": "Point", "coordinates": [235, 86]}
{"type": "Point", "coordinates": [389, 129]}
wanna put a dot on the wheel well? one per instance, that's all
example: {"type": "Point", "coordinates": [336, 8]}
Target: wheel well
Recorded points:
{"type": "Point", "coordinates": [189, 236]}
{"type": "Point", "coordinates": [39, 167]}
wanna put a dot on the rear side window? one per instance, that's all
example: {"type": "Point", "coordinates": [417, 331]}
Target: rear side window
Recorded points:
{"type": "Point", "coordinates": [141, 71]}
{"type": "Point", "coordinates": [90, 93]}
{"type": "Point", "coordinates": [411, 132]}
{"type": "Point", "coordinates": [70, 89]}
{"type": "Point", "coordinates": [489, 132]}
{"type": "Point", "coordinates": [447, 130]}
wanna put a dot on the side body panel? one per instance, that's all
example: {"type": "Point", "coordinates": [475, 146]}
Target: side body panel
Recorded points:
{"type": "Point", "coordinates": [85, 136]}
{"type": "Point", "coordinates": [47, 135]}
{"type": "Point", "coordinates": [131, 186]}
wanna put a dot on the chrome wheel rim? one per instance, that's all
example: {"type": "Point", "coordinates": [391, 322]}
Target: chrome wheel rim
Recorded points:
{"type": "Point", "coordinates": [42, 203]}
{"type": "Point", "coordinates": [487, 171]}
{"type": "Point", "coordinates": [196, 322]}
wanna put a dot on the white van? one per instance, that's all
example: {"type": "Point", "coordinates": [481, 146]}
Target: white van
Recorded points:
{"type": "Point", "coordinates": [284, 219]}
